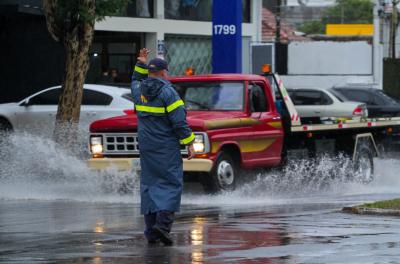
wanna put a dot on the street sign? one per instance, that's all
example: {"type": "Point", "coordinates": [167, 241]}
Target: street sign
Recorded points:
{"type": "Point", "coordinates": [161, 50]}
{"type": "Point", "coordinates": [227, 36]}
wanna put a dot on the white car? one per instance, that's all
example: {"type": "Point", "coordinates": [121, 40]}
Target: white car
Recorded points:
{"type": "Point", "coordinates": [36, 114]}
{"type": "Point", "coordinates": [320, 103]}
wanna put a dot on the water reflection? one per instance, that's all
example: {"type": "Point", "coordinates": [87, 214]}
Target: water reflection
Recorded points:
{"type": "Point", "coordinates": [99, 227]}
{"type": "Point", "coordinates": [214, 238]}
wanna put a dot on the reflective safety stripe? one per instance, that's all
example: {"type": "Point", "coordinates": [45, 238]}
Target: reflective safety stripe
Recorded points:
{"type": "Point", "coordinates": [141, 70]}
{"type": "Point", "coordinates": [150, 109]}
{"type": "Point", "coordinates": [175, 105]}
{"type": "Point", "coordinates": [187, 140]}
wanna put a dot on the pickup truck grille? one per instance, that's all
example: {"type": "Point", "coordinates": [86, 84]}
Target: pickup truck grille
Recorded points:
{"type": "Point", "coordinates": [123, 144]}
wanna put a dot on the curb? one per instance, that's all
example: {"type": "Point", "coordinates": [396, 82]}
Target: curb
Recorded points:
{"type": "Point", "coordinates": [371, 211]}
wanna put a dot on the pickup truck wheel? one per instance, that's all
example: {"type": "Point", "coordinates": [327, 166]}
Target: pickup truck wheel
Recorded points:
{"type": "Point", "coordinates": [223, 176]}
{"type": "Point", "coordinates": [364, 165]}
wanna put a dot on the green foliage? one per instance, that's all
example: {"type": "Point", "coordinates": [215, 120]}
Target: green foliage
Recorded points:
{"type": "Point", "coordinates": [76, 11]}
{"type": "Point", "coordinates": [343, 12]}
{"type": "Point", "coordinates": [110, 7]}
{"type": "Point", "coordinates": [349, 12]}
{"type": "Point", "coordinates": [312, 27]}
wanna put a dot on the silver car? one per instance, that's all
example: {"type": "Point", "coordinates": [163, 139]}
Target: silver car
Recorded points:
{"type": "Point", "coordinates": [319, 103]}
{"type": "Point", "coordinates": [36, 113]}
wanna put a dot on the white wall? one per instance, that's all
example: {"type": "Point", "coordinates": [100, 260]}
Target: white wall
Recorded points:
{"type": "Point", "coordinates": [325, 81]}
{"type": "Point", "coordinates": [330, 58]}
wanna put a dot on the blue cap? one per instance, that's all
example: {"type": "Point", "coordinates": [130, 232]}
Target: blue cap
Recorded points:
{"type": "Point", "coordinates": [157, 64]}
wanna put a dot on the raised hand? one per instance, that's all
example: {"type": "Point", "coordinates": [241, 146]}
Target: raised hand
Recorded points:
{"type": "Point", "coordinates": [143, 53]}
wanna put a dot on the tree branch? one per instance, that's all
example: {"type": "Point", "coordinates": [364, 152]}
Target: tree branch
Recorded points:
{"type": "Point", "coordinates": [50, 12]}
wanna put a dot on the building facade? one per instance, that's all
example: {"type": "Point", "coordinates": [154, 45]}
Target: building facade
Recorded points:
{"type": "Point", "coordinates": [179, 30]}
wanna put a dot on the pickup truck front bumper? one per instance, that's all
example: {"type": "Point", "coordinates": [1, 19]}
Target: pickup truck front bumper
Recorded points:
{"type": "Point", "coordinates": [129, 164]}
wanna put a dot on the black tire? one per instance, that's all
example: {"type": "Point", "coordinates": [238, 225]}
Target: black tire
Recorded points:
{"type": "Point", "coordinates": [364, 165]}
{"type": "Point", "coordinates": [5, 131]}
{"type": "Point", "coordinates": [224, 176]}
{"type": "Point", "coordinates": [5, 126]}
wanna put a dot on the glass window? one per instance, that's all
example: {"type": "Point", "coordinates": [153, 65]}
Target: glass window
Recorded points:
{"type": "Point", "coordinates": [50, 97]}
{"type": "Point", "coordinates": [198, 10]}
{"type": "Point", "coordinates": [139, 8]}
{"type": "Point", "coordinates": [128, 96]}
{"type": "Point", "coordinates": [307, 97]}
{"type": "Point", "coordinates": [188, 51]}
{"type": "Point", "coordinates": [211, 95]}
{"type": "Point", "coordinates": [357, 96]}
{"type": "Point", "coordinates": [257, 99]}
{"type": "Point", "coordinates": [384, 99]}
{"type": "Point", "coordinates": [120, 64]}
{"type": "Point", "coordinates": [91, 97]}
{"type": "Point", "coordinates": [325, 99]}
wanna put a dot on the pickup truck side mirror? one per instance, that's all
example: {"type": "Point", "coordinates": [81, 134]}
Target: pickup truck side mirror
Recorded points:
{"type": "Point", "coordinates": [25, 103]}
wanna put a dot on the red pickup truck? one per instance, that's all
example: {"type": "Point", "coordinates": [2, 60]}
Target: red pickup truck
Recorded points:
{"type": "Point", "coordinates": [242, 122]}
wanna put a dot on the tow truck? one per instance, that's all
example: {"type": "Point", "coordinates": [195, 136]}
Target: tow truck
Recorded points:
{"type": "Point", "coordinates": [243, 122]}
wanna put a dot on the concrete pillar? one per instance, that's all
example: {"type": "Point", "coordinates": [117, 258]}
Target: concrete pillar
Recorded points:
{"type": "Point", "coordinates": [377, 49]}
{"type": "Point", "coordinates": [256, 11]}
{"type": "Point", "coordinates": [159, 9]}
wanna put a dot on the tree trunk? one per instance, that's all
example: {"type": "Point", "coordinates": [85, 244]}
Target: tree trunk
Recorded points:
{"type": "Point", "coordinates": [77, 44]}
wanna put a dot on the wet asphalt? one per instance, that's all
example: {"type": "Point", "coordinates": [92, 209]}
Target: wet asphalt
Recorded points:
{"type": "Point", "coordinates": [54, 210]}
{"type": "Point", "coordinates": [302, 230]}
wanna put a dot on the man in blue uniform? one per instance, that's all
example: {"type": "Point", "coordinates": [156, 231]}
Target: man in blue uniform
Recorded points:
{"type": "Point", "coordinates": [162, 128]}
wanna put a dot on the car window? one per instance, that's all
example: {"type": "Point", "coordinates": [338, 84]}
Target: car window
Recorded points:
{"type": "Point", "coordinates": [307, 97]}
{"type": "Point", "coordinates": [326, 100]}
{"type": "Point", "coordinates": [377, 100]}
{"type": "Point", "coordinates": [213, 95]}
{"type": "Point", "coordinates": [385, 99]}
{"type": "Point", "coordinates": [128, 96]}
{"type": "Point", "coordinates": [338, 94]}
{"type": "Point", "coordinates": [46, 98]}
{"type": "Point", "coordinates": [91, 97]}
{"type": "Point", "coordinates": [258, 102]}
{"type": "Point", "coordinates": [358, 96]}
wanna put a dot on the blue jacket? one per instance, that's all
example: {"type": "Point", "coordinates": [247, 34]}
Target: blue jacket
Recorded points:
{"type": "Point", "coordinates": [162, 128]}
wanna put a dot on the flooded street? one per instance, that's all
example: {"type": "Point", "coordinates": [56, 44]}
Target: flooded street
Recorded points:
{"type": "Point", "coordinates": [54, 210]}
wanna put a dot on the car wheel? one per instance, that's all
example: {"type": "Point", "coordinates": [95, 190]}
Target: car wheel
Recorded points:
{"type": "Point", "coordinates": [5, 126]}
{"type": "Point", "coordinates": [364, 165]}
{"type": "Point", "coordinates": [224, 175]}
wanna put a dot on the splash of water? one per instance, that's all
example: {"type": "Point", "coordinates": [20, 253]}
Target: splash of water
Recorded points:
{"type": "Point", "coordinates": [33, 167]}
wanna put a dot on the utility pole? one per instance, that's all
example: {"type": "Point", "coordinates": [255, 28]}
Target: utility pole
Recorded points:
{"type": "Point", "coordinates": [278, 21]}
{"type": "Point", "coordinates": [393, 29]}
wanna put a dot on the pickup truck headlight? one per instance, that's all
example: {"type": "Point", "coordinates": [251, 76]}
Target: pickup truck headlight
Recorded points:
{"type": "Point", "coordinates": [201, 143]}
{"type": "Point", "coordinates": [96, 145]}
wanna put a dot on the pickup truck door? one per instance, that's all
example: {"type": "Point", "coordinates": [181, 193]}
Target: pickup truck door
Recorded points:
{"type": "Point", "coordinates": [267, 131]}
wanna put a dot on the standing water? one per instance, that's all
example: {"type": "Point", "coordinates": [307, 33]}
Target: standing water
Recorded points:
{"type": "Point", "coordinates": [32, 167]}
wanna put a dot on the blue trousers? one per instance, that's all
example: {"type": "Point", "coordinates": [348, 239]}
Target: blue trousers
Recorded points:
{"type": "Point", "coordinates": [161, 219]}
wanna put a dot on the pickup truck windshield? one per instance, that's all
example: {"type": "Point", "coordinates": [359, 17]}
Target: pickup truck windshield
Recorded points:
{"type": "Point", "coordinates": [211, 95]}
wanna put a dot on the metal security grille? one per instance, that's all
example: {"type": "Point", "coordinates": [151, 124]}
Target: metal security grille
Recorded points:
{"type": "Point", "coordinates": [188, 51]}
{"type": "Point", "coordinates": [121, 144]}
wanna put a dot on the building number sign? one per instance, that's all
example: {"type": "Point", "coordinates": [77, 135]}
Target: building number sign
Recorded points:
{"type": "Point", "coordinates": [224, 29]}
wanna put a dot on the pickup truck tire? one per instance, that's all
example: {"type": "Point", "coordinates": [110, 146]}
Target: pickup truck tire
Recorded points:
{"type": "Point", "coordinates": [364, 164]}
{"type": "Point", "coordinates": [224, 175]}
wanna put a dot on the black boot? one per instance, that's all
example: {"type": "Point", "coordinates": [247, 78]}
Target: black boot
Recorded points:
{"type": "Point", "coordinates": [163, 235]}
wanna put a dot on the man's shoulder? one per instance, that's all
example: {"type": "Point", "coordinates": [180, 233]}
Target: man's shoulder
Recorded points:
{"type": "Point", "coordinates": [168, 89]}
